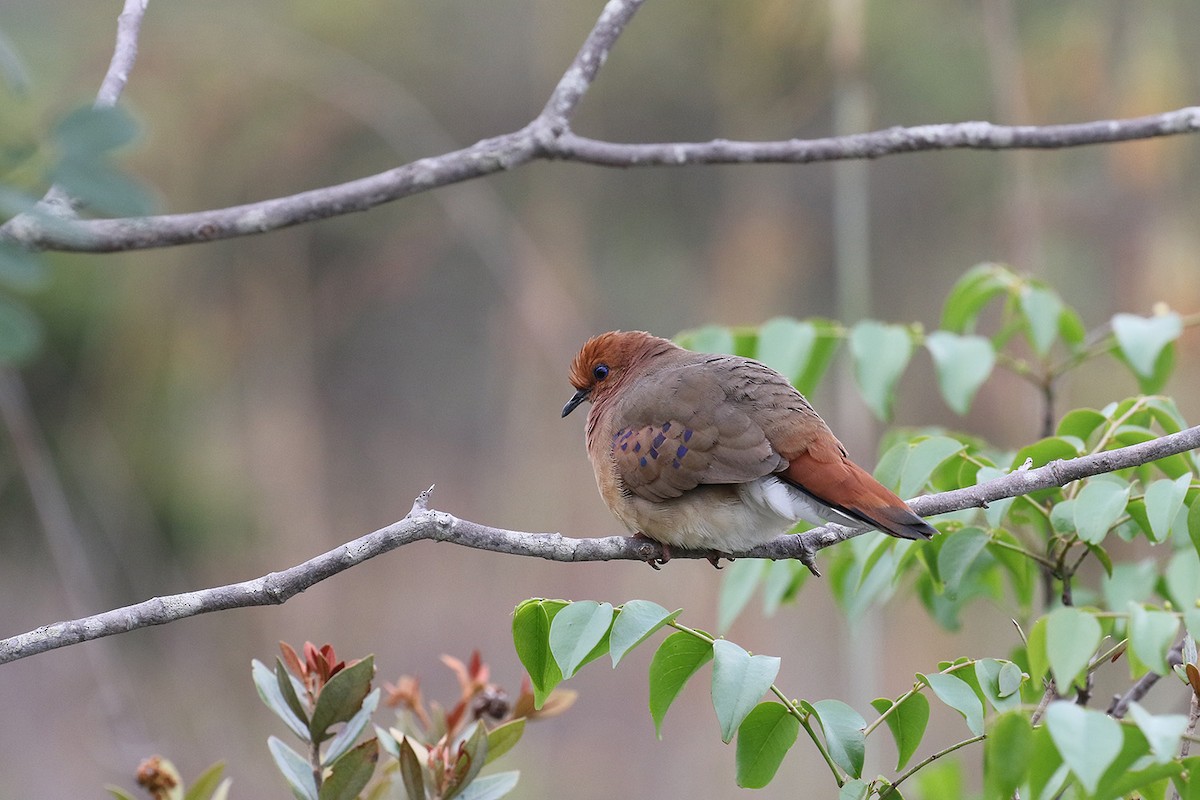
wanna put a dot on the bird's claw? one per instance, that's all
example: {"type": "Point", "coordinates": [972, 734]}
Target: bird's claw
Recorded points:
{"type": "Point", "coordinates": [655, 560]}
{"type": "Point", "coordinates": [714, 557]}
{"type": "Point", "coordinates": [808, 558]}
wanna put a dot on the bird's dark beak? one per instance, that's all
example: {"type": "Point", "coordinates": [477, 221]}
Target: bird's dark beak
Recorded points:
{"type": "Point", "coordinates": [575, 400]}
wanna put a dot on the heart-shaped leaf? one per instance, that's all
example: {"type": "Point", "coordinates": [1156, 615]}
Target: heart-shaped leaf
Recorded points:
{"type": "Point", "coordinates": [1087, 740]}
{"type": "Point", "coordinates": [739, 681]}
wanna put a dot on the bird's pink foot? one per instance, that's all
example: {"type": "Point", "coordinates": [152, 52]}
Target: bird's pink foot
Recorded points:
{"type": "Point", "coordinates": [714, 557]}
{"type": "Point", "coordinates": [655, 560]}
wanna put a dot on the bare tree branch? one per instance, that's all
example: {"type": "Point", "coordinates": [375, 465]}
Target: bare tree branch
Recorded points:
{"type": "Point", "coordinates": [591, 57]}
{"type": "Point", "coordinates": [1119, 706]}
{"type": "Point", "coordinates": [423, 522]}
{"type": "Point", "coordinates": [57, 203]}
{"type": "Point", "coordinates": [129, 26]}
{"type": "Point", "coordinates": [547, 137]}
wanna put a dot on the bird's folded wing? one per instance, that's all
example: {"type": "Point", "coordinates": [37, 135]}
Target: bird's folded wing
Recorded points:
{"type": "Point", "coordinates": [683, 430]}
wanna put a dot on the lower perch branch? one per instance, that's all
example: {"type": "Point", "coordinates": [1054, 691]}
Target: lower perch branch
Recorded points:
{"type": "Point", "coordinates": [425, 523]}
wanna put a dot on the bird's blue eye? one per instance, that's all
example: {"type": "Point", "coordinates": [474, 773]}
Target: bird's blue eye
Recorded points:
{"type": "Point", "coordinates": [600, 372]}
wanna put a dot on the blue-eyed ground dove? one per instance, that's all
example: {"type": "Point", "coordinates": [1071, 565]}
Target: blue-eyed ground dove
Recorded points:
{"type": "Point", "coordinates": [716, 452]}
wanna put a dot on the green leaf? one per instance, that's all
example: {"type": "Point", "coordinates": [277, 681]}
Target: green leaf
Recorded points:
{"type": "Point", "coordinates": [1164, 498]}
{"type": "Point", "coordinates": [576, 631]}
{"type": "Point", "coordinates": [844, 738]}
{"type": "Point", "coordinates": [342, 697]}
{"type": "Point", "coordinates": [784, 579]}
{"type": "Point", "coordinates": [675, 661]}
{"type": "Point", "coordinates": [206, 784]}
{"type": "Point", "coordinates": [763, 739]}
{"type": "Point", "coordinates": [101, 186]}
{"type": "Point", "coordinates": [1163, 732]}
{"type": "Point", "coordinates": [268, 690]}
{"type": "Point", "coordinates": [1191, 621]}
{"type": "Point", "coordinates": [741, 579]}
{"type": "Point", "coordinates": [531, 637]}
{"type": "Point", "coordinates": [923, 459]}
{"type": "Point", "coordinates": [491, 787]}
{"type": "Point", "coordinates": [411, 772]}
{"type": "Point", "coordinates": [1142, 339]}
{"type": "Point", "coordinates": [21, 269]}
{"type": "Point", "coordinates": [1039, 662]}
{"type": "Point", "coordinates": [1006, 754]}
{"type": "Point", "coordinates": [1193, 524]}
{"type": "Point", "coordinates": [637, 620]}
{"type": "Point", "coordinates": [1087, 740]}
{"type": "Point", "coordinates": [503, 738]}
{"type": "Point", "coordinates": [1047, 772]}
{"type": "Point", "coordinates": [958, 694]}
{"type": "Point", "coordinates": [829, 337]}
{"type": "Point", "coordinates": [350, 731]}
{"type": "Point", "coordinates": [1071, 328]}
{"type": "Point", "coordinates": [1183, 579]}
{"type": "Point", "coordinates": [89, 130]}
{"type": "Point", "coordinates": [858, 789]}
{"type": "Point", "coordinates": [287, 690]}
{"type": "Point", "coordinates": [1097, 508]}
{"type": "Point", "coordinates": [1072, 637]}
{"type": "Point", "coordinates": [351, 773]}
{"type": "Point", "coordinates": [708, 339]}
{"type": "Point", "coordinates": [963, 364]}
{"type": "Point", "coordinates": [907, 724]}
{"type": "Point", "coordinates": [971, 293]}
{"type": "Point", "coordinates": [1150, 635]}
{"type": "Point", "coordinates": [785, 345]}
{"type": "Point", "coordinates": [1129, 582]}
{"type": "Point", "coordinates": [1000, 682]}
{"type": "Point", "coordinates": [295, 769]}
{"type": "Point", "coordinates": [1041, 308]}
{"type": "Point", "coordinates": [470, 762]}
{"type": "Point", "coordinates": [958, 553]}
{"type": "Point", "coordinates": [1081, 423]}
{"type": "Point", "coordinates": [739, 681]}
{"type": "Point", "coordinates": [20, 333]}
{"type": "Point", "coordinates": [881, 352]}
{"type": "Point", "coordinates": [1190, 790]}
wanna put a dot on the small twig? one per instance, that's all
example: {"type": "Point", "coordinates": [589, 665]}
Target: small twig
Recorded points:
{"type": "Point", "coordinates": [1189, 734]}
{"type": "Point", "coordinates": [915, 768]}
{"type": "Point", "coordinates": [57, 203]}
{"type": "Point", "coordinates": [578, 78]}
{"type": "Point", "coordinates": [1121, 702]}
{"type": "Point", "coordinates": [129, 27]}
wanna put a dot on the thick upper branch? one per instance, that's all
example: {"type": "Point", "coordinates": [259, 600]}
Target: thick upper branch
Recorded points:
{"type": "Point", "coordinates": [51, 226]}
{"type": "Point", "coordinates": [424, 523]}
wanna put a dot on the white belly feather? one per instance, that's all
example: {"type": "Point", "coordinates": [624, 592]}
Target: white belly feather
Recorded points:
{"type": "Point", "coordinates": [727, 518]}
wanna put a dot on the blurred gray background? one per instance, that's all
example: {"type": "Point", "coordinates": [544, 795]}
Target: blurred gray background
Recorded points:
{"type": "Point", "coordinates": [219, 411]}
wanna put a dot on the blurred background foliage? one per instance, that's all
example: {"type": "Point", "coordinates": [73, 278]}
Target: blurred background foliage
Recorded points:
{"type": "Point", "coordinates": [218, 411]}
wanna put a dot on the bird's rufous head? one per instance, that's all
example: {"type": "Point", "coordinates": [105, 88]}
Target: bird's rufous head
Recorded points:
{"type": "Point", "coordinates": [604, 361]}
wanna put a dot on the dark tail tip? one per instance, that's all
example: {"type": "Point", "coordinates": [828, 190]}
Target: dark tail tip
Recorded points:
{"type": "Point", "coordinates": [918, 530]}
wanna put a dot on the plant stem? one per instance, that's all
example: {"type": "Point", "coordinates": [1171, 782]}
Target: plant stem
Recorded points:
{"type": "Point", "coordinates": [791, 707]}
{"type": "Point", "coordinates": [812, 734]}
{"type": "Point", "coordinates": [916, 689]}
{"type": "Point", "coordinates": [927, 761]}
{"type": "Point", "coordinates": [1016, 548]}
